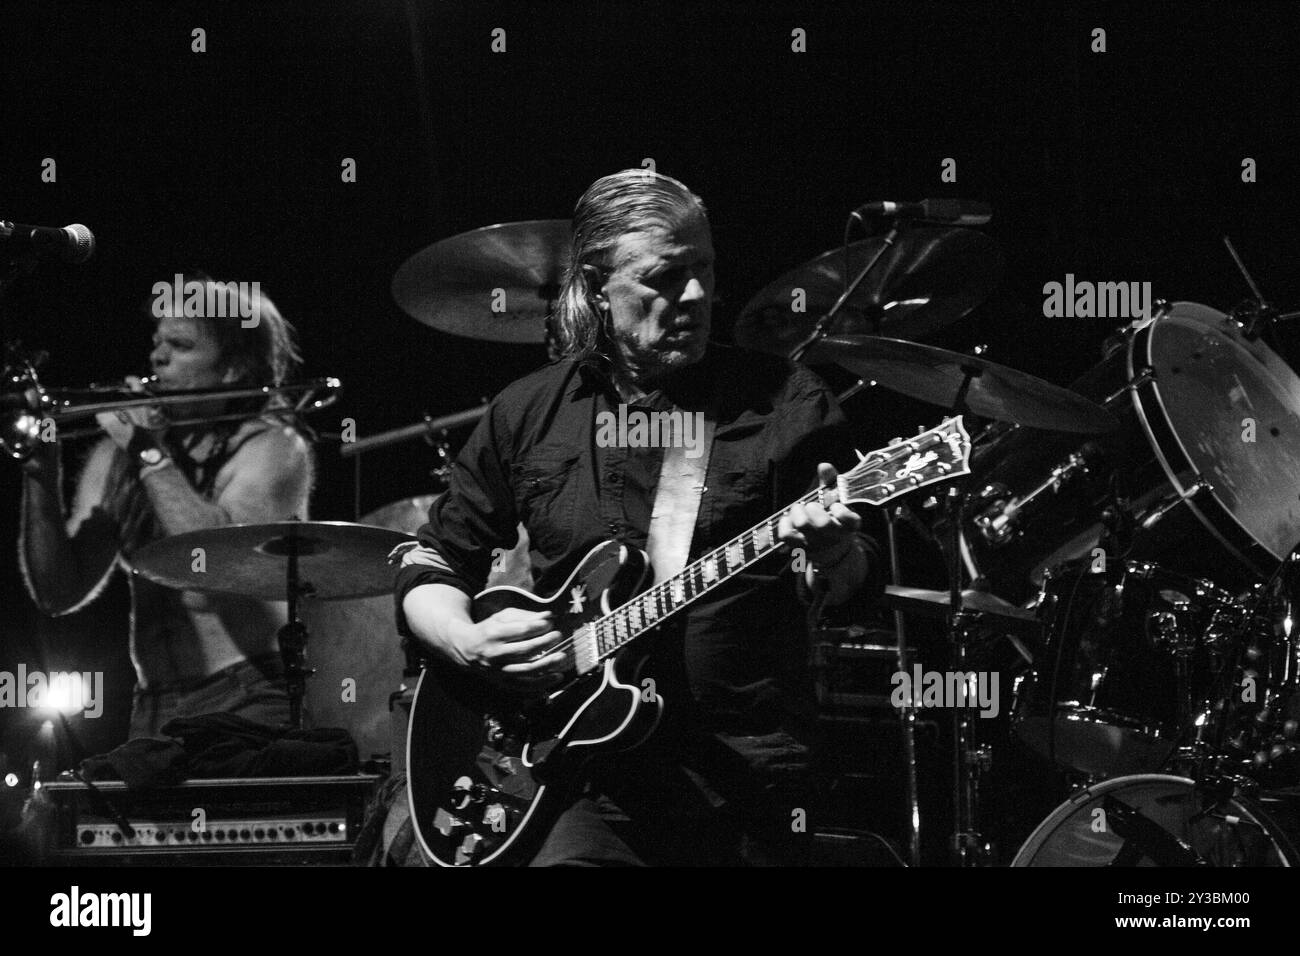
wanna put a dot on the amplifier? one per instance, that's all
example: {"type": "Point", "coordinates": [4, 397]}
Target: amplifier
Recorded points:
{"type": "Point", "coordinates": [267, 821]}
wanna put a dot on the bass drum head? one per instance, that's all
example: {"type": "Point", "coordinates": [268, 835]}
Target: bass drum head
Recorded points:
{"type": "Point", "coordinates": [1233, 407]}
{"type": "Point", "coordinates": [1243, 832]}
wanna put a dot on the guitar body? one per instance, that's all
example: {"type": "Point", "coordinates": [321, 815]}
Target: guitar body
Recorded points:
{"type": "Point", "coordinates": [488, 770]}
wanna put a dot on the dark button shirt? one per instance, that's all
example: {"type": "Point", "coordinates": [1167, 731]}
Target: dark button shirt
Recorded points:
{"type": "Point", "coordinates": [736, 660]}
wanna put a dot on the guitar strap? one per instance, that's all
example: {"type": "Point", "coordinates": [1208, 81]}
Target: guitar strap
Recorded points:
{"type": "Point", "coordinates": [677, 500]}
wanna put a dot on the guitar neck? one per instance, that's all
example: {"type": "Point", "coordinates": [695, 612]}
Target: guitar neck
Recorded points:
{"type": "Point", "coordinates": [656, 604]}
{"type": "Point", "coordinates": [939, 454]}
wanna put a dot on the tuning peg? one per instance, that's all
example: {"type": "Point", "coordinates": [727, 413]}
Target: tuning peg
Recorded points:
{"type": "Point", "coordinates": [861, 457]}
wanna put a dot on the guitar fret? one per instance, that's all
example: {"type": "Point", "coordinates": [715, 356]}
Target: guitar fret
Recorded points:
{"type": "Point", "coordinates": [678, 590]}
{"type": "Point", "coordinates": [735, 556]}
{"type": "Point", "coordinates": [763, 536]}
{"type": "Point", "coordinates": [647, 610]}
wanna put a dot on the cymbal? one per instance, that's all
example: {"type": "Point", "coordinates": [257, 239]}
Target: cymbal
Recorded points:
{"type": "Point", "coordinates": [927, 280]}
{"type": "Point", "coordinates": [936, 603]}
{"type": "Point", "coordinates": [452, 285]}
{"type": "Point", "coordinates": [936, 375]}
{"type": "Point", "coordinates": [407, 514]}
{"type": "Point", "coordinates": [336, 559]}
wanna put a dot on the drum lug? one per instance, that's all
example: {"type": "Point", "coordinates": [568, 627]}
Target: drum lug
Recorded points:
{"type": "Point", "coordinates": [1196, 487]}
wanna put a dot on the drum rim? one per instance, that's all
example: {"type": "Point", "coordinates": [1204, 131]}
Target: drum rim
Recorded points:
{"type": "Point", "coordinates": [1251, 804]}
{"type": "Point", "coordinates": [1082, 796]}
{"type": "Point", "coordinates": [1142, 339]}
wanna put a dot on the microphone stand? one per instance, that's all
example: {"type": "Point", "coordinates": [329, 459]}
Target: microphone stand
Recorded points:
{"type": "Point", "coordinates": [824, 323]}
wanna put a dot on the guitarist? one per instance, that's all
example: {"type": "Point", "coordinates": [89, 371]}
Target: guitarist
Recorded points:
{"type": "Point", "coordinates": [725, 778]}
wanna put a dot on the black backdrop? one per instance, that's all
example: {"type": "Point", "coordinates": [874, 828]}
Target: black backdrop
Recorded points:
{"type": "Point", "coordinates": [1122, 165]}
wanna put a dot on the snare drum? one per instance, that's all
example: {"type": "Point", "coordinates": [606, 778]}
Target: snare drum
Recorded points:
{"type": "Point", "coordinates": [1207, 453]}
{"type": "Point", "coordinates": [1125, 668]}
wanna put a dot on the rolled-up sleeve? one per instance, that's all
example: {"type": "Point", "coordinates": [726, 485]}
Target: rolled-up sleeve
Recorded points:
{"type": "Point", "coordinates": [467, 524]}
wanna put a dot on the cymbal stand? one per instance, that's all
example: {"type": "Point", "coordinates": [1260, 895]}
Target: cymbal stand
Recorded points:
{"type": "Point", "coordinates": [293, 636]}
{"type": "Point", "coordinates": [824, 323]}
{"type": "Point", "coordinates": [968, 846]}
{"type": "Point", "coordinates": [907, 714]}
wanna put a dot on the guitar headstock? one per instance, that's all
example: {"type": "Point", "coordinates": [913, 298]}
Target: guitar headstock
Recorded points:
{"type": "Point", "coordinates": [936, 455]}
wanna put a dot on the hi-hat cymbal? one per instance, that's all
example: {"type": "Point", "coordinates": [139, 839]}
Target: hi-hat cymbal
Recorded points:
{"type": "Point", "coordinates": [336, 559]}
{"type": "Point", "coordinates": [493, 283]}
{"type": "Point", "coordinates": [936, 376]}
{"type": "Point", "coordinates": [928, 279]}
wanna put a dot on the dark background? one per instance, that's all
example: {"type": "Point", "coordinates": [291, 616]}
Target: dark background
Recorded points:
{"type": "Point", "coordinates": [1120, 166]}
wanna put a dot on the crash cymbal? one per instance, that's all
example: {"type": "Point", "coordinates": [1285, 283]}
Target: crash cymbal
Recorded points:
{"type": "Point", "coordinates": [336, 559]}
{"type": "Point", "coordinates": [935, 604]}
{"type": "Point", "coordinates": [936, 376]}
{"type": "Point", "coordinates": [453, 284]}
{"type": "Point", "coordinates": [928, 279]}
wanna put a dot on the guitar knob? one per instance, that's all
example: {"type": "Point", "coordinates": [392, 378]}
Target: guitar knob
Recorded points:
{"type": "Point", "coordinates": [464, 792]}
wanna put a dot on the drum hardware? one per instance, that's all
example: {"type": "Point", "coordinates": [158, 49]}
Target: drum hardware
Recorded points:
{"type": "Point", "coordinates": [427, 428]}
{"type": "Point", "coordinates": [999, 522]}
{"type": "Point", "coordinates": [1142, 377]}
{"type": "Point", "coordinates": [1257, 314]}
{"type": "Point", "coordinates": [1195, 488]}
{"type": "Point", "coordinates": [906, 284]}
{"type": "Point", "coordinates": [907, 713]}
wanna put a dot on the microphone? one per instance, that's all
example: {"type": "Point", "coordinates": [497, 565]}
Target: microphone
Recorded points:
{"type": "Point", "coordinates": [958, 212]}
{"type": "Point", "coordinates": [73, 243]}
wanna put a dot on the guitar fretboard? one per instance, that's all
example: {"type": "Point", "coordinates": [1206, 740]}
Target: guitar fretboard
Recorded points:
{"type": "Point", "coordinates": [931, 456]}
{"type": "Point", "coordinates": [650, 608]}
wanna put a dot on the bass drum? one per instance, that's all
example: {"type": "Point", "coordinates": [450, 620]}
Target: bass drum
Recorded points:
{"type": "Point", "coordinates": [1141, 821]}
{"type": "Point", "coordinates": [1209, 433]}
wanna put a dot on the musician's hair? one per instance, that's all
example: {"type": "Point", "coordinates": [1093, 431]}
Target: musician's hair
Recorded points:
{"type": "Point", "coordinates": [632, 200]}
{"type": "Point", "coordinates": [265, 354]}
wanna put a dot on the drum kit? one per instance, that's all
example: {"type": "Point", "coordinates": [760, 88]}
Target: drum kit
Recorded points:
{"type": "Point", "coordinates": [1134, 536]}
{"type": "Point", "coordinates": [1137, 538]}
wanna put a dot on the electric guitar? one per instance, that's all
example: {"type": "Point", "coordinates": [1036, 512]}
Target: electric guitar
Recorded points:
{"type": "Point", "coordinates": [488, 769]}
